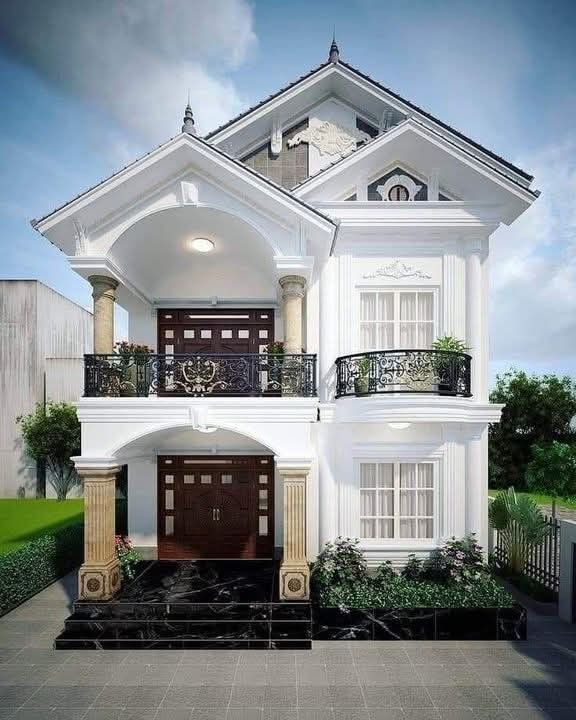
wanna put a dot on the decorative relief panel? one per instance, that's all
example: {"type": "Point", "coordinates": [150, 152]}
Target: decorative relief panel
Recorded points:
{"type": "Point", "coordinates": [330, 138]}
{"type": "Point", "coordinates": [397, 270]}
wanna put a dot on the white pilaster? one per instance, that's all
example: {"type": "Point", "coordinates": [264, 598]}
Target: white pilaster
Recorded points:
{"type": "Point", "coordinates": [475, 320]}
{"type": "Point", "coordinates": [328, 330]}
{"type": "Point", "coordinates": [477, 485]}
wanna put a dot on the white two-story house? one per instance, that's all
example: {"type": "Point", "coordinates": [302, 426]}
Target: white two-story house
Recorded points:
{"type": "Point", "coordinates": [348, 224]}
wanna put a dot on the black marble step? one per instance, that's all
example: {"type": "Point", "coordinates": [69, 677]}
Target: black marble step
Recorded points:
{"type": "Point", "coordinates": [191, 611]}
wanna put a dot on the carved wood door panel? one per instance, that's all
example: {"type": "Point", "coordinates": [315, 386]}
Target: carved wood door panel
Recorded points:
{"type": "Point", "coordinates": [215, 507]}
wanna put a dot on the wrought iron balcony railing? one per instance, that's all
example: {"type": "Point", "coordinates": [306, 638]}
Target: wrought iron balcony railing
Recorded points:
{"type": "Point", "coordinates": [199, 375]}
{"type": "Point", "coordinates": [403, 371]}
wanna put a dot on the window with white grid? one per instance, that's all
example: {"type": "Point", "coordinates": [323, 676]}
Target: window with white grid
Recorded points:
{"type": "Point", "coordinates": [397, 319]}
{"type": "Point", "coordinates": [396, 500]}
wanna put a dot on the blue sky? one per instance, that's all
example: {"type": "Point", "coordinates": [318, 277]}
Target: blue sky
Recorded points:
{"type": "Point", "coordinates": [86, 87]}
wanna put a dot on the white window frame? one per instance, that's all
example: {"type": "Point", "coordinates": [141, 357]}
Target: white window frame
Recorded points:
{"type": "Point", "coordinates": [396, 290]}
{"type": "Point", "coordinates": [401, 454]}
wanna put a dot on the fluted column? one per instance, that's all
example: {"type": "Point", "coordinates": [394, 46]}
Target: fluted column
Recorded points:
{"type": "Point", "coordinates": [294, 570]}
{"type": "Point", "coordinates": [99, 576]}
{"type": "Point", "coordinates": [475, 320]}
{"type": "Point", "coordinates": [292, 294]}
{"type": "Point", "coordinates": [104, 295]}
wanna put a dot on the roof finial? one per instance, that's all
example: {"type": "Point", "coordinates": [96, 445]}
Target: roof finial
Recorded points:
{"type": "Point", "coordinates": [189, 126]}
{"type": "Point", "coordinates": [334, 55]}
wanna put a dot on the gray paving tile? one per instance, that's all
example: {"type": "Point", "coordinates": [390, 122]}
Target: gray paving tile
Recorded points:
{"type": "Point", "coordinates": [7, 653]}
{"type": "Point", "coordinates": [441, 655]}
{"type": "Point", "coordinates": [38, 656]}
{"type": "Point", "coordinates": [351, 714]}
{"type": "Point", "coordinates": [180, 697]}
{"type": "Point", "coordinates": [347, 696]}
{"type": "Point", "coordinates": [208, 714]}
{"type": "Point", "coordinates": [396, 696]}
{"type": "Point", "coordinates": [278, 714]}
{"type": "Point", "coordinates": [24, 674]}
{"type": "Point", "coordinates": [58, 714]}
{"type": "Point", "coordinates": [63, 697]}
{"type": "Point", "coordinates": [14, 696]}
{"type": "Point", "coordinates": [511, 696]}
{"type": "Point", "coordinates": [103, 714]}
{"type": "Point", "coordinates": [446, 674]}
{"type": "Point", "coordinates": [312, 675]}
{"type": "Point", "coordinates": [315, 714]}
{"type": "Point", "coordinates": [389, 675]}
{"type": "Point", "coordinates": [462, 697]}
{"type": "Point", "coordinates": [314, 696]}
{"type": "Point", "coordinates": [244, 714]}
{"type": "Point", "coordinates": [213, 696]}
{"type": "Point", "coordinates": [175, 714]}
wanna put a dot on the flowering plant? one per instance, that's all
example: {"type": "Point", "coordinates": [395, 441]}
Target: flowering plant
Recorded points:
{"type": "Point", "coordinates": [128, 350]}
{"type": "Point", "coordinates": [456, 561]}
{"type": "Point", "coordinates": [128, 556]}
{"type": "Point", "coordinates": [275, 348]}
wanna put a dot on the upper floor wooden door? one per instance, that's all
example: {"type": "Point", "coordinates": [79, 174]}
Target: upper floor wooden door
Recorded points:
{"type": "Point", "coordinates": [214, 331]}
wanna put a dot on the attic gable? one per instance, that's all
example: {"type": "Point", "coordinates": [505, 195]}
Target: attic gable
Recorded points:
{"type": "Point", "coordinates": [375, 103]}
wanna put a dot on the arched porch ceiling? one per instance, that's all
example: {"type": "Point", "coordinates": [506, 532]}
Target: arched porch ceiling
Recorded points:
{"type": "Point", "coordinates": [154, 256]}
{"type": "Point", "coordinates": [181, 440]}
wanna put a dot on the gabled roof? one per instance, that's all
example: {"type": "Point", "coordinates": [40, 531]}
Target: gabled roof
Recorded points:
{"type": "Point", "coordinates": [213, 148]}
{"type": "Point", "coordinates": [379, 139]}
{"type": "Point", "coordinates": [409, 105]}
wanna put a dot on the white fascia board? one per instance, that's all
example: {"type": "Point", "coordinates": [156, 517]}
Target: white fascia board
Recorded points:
{"type": "Point", "coordinates": [415, 409]}
{"type": "Point", "coordinates": [432, 136]}
{"type": "Point", "coordinates": [215, 411]}
{"type": "Point", "coordinates": [272, 105]}
{"type": "Point", "coordinates": [210, 154]}
{"type": "Point", "coordinates": [419, 213]}
{"type": "Point", "coordinates": [409, 110]}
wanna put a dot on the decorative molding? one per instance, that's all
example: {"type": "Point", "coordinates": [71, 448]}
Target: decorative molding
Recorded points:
{"type": "Point", "coordinates": [330, 139]}
{"type": "Point", "coordinates": [80, 238]}
{"type": "Point", "coordinates": [276, 137]}
{"type": "Point", "coordinates": [189, 192]}
{"type": "Point", "coordinates": [397, 269]}
{"type": "Point", "coordinates": [407, 182]}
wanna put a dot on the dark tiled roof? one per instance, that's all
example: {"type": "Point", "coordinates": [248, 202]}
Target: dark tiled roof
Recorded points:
{"type": "Point", "coordinates": [213, 148]}
{"type": "Point", "coordinates": [395, 95]}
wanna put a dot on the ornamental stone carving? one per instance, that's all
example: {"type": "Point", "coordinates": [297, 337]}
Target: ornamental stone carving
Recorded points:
{"type": "Point", "coordinates": [398, 269]}
{"type": "Point", "coordinates": [330, 139]}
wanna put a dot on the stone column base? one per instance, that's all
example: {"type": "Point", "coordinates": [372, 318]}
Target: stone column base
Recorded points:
{"type": "Point", "coordinates": [99, 582]}
{"type": "Point", "coordinates": [294, 582]}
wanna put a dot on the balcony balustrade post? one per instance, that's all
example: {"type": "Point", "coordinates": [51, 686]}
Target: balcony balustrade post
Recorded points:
{"type": "Point", "coordinates": [104, 295]}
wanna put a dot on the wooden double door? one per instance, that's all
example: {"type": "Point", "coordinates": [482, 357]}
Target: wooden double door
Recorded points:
{"type": "Point", "coordinates": [214, 331]}
{"type": "Point", "coordinates": [215, 507]}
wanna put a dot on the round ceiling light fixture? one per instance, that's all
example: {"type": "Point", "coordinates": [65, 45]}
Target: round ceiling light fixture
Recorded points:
{"type": "Point", "coordinates": [399, 425]}
{"type": "Point", "coordinates": [202, 245]}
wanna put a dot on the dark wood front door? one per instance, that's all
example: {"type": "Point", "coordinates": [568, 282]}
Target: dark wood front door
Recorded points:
{"type": "Point", "coordinates": [214, 331]}
{"type": "Point", "coordinates": [215, 507]}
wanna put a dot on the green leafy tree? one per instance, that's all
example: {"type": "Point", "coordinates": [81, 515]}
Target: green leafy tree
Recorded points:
{"type": "Point", "coordinates": [538, 410]}
{"type": "Point", "coordinates": [521, 526]}
{"type": "Point", "coordinates": [52, 435]}
{"type": "Point", "coordinates": [552, 469]}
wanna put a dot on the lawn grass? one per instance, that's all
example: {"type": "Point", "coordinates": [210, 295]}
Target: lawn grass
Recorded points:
{"type": "Point", "coordinates": [568, 503]}
{"type": "Point", "coordinates": [24, 520]}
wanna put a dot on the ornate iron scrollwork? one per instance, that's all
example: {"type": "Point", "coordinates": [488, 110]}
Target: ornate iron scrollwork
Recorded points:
{"type": "Point", "coordinates": [415, 371]}
{"type": "Point", "coordinates": [199, 375]}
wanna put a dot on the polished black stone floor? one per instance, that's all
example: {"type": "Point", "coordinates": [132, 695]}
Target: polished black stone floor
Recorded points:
{"type": "Point", "coordinates": [193, 604]}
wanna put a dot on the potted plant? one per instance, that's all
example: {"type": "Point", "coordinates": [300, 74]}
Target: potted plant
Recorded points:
{"type": "Point", "coordinates": [275, 352]}
{"type": "Point", "coordinates": [448, 368]}
{"type": "Point", "coordinates": [362, 379]}
{"type": "Point", "coordinates": [132, 356]}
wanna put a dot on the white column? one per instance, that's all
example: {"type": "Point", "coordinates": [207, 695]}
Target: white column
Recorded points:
{"type": "Point", "coordinates": [104, 294]}
{"type": "Point", "coordinates": [477, 486]}
{"type": "Point", "coordinates": [328, 330]}
{"type": "Point", "coordinates": [475, 320]}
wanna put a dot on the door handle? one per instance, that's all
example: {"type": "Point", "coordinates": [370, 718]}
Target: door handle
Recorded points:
{"type": "Point", "coordinates": [218, 514]}
{"type": "Point", "coordinates": [213, 513]}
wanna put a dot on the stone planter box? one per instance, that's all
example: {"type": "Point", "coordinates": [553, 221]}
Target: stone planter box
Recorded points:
{"type": "Point", "coordinates": [419, 624]}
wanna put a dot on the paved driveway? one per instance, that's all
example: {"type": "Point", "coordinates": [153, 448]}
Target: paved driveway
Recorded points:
{"type": "Point", "coordinates": [334, 681]}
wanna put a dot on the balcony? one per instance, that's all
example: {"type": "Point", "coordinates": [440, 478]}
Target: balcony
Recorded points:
{"type": "Point", "coordinates": [435, 372]}
{"type": "Point", "coordinates": [210, 374]}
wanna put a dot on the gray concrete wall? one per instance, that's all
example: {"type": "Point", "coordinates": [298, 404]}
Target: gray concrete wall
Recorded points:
{"type": "Point", "coordinates": [41, 332]}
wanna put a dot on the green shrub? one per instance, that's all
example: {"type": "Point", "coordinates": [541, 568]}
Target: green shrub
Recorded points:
{"type": "Point", "coordinates": [552, 469]}
{"type": "Point", "coordinates": [340, 563]}
{"type": "Point", "coordinates": [128, 557]}
{"type": "Point", "coordinates": [453, 576]}
{"type": "Point", "coordinates": [30, 568]}
{"type": "Point", "coordinates": [402, 593]}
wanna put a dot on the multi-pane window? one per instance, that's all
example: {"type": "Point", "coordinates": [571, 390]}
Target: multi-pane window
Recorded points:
{"type": "Point", "coordinates": [396, 500]}
{"type": "Point", "coordinates": [396, 319]}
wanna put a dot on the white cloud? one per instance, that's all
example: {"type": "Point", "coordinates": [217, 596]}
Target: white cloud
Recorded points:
{"type": "Point", "coordinates": [533, 267]}
{"type": "Point", "coordinates": [136, 59]}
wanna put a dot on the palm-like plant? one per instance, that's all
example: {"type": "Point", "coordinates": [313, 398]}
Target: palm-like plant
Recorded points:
{"type": "Point", "coordinates": [520, 523]}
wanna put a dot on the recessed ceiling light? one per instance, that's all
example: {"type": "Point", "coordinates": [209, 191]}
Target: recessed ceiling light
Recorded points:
{"type": "Point", "coordinates": [398, 425]}
{"type": "Point", "coordinates": [202, 245]}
